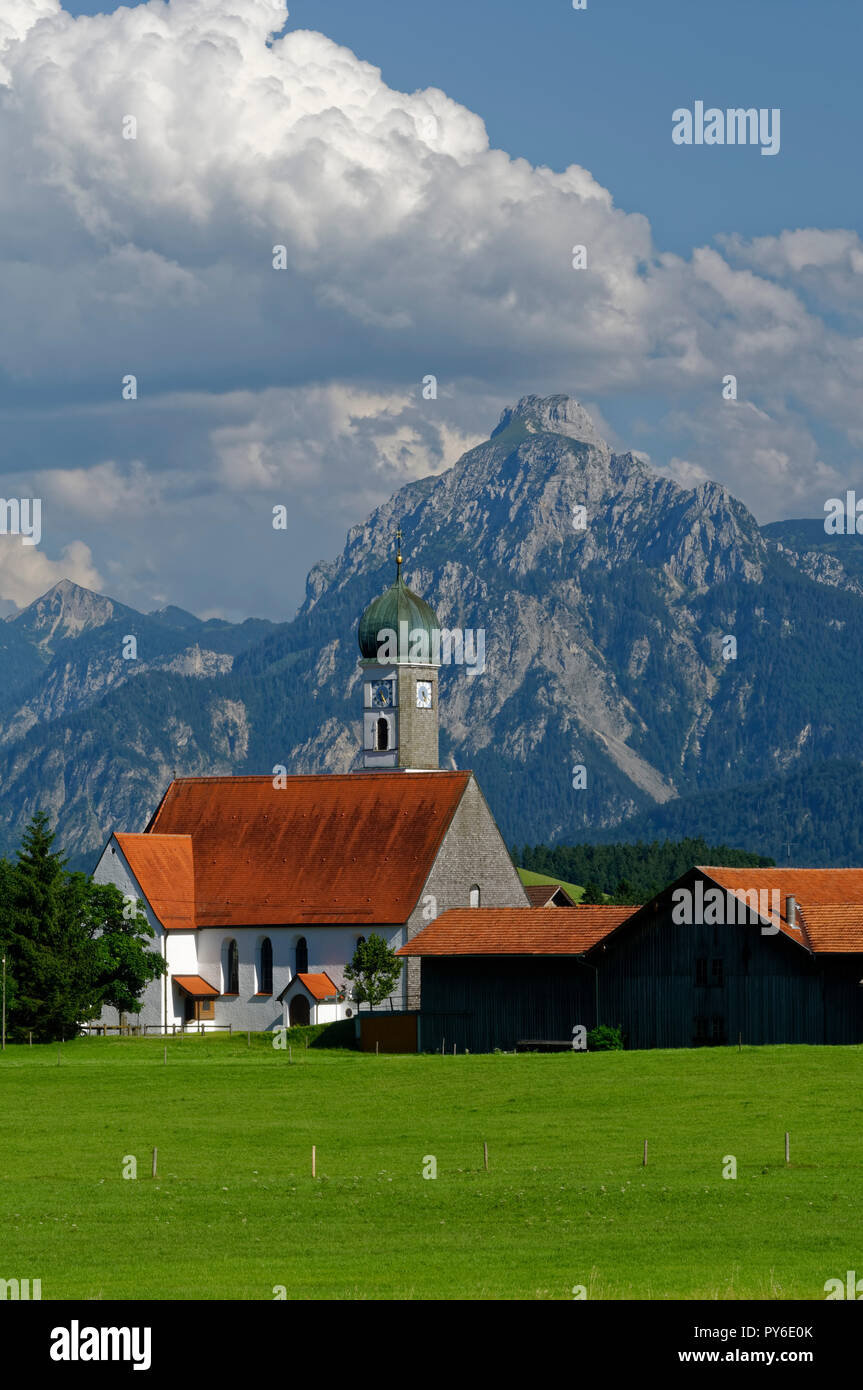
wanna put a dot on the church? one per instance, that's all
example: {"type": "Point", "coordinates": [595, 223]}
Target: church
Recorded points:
{"type": "Point", "coordinates": [258, 889]}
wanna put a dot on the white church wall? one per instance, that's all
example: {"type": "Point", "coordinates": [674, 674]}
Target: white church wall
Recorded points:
{"type": "Point", "coordinates": [327, 1013]}
{"type": "Point", "coordinates": [182, 949]}
{"type": "Point", "coordinates": [329, 950]}
{"type": "Point", "coordinates": [113, 867]}
{"type": "Point", "coordinates": [201, 953]}
{"type": "Point", "coordinates": [182, 954]}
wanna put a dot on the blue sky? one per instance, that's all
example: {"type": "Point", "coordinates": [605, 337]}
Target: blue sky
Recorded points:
{"type": "Point", "coordinates": [428, 213]}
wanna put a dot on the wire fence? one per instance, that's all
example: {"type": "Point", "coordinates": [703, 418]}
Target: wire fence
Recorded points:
{"type": "Point", "coordinates": [410, 1004]}
{"type": "Point", "coordinates": [140, 1030]}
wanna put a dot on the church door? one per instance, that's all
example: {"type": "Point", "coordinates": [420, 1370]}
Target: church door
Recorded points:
{"type": "Point", "coordinates": [299, 1010]}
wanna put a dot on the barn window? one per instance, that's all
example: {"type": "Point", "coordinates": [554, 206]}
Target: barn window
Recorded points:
{"type": "Point", "coordinates": [302, 957]}
{"type": "Point", "coordinates": [700, 1029]}
{"type": "Point", "coordinates": [701, 970]}
{"type": "Point", "coordinates": [265, 971]}
{"type": "Point", "coordinates": [718, 973]}
{"type": "Point", "coordinates": [718, 1028]}
{"type": "Point", "coordinates": [474, 895]}
{"type": "Point", "coordinates": [383, 735]}
{"type": "Point", "coordinates": [231, 969]}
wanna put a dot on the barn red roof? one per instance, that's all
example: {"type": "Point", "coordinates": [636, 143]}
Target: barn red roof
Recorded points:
{"type": "Point", "coordinates": [354, 848]}
{"type": "Point", "coordinates": [829, 901]}
{"type": "Point", "coordinates": [515, 931]}
{"type": "Point", "coordinates": [162, 864]}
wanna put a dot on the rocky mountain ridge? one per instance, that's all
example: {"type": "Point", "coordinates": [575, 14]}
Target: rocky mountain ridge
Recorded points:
{"type": "Point", "coordinates": [606, 592]}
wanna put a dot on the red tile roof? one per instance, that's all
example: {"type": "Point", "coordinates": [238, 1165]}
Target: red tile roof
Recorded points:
{"type": "Point", "coordinates": [196, 986]}
{"type": "Point", "coordinates": [321, 986]}
{"type": "Point", "coordinates": [833, 928]}
{"type": "Point", "coordinates": [354, 848]}
{"type": "Point", "coordinates": [515, 931]}
{"type": "Point", "coordinates": [542, 894]}
{"type": "Point", "coordinates": [162, 864]}
{"type": "Point", "coordinates": [829, 902]}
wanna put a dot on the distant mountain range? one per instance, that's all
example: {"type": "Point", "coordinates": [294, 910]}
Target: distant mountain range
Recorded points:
{"type": "Point", "coordinates": [603, 648]}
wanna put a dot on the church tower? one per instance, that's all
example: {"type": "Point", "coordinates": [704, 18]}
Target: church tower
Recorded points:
{"type": "Point", "coordinates": [399, 639]}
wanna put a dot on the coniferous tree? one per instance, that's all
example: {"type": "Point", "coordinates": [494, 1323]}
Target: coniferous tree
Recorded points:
{"type": "Point", "coordinates": [72, 945]}
{"type": "Point", "coordinates": [592, 895]}
{"type": "Point", "coordinates": [51, 957]}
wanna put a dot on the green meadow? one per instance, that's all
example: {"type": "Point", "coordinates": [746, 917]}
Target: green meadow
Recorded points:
{"type": "Point", "coordinates": [235, 1213]}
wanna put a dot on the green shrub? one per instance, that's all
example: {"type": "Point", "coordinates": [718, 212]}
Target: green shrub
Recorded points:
{"type": "Point", "coordinates": [605, 1039]}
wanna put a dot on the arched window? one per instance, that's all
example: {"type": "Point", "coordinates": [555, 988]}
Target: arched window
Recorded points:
{"type": "Point", "coordinates": [231, 969]}
{"type": "Point", "coordinates": [265, 972]}
{"type": "Point", "coordinates": [302, 957]}
{"type": "Point", "coordinates": [474, 895]}
{"type": "Point", "coordinates": [383, 735]}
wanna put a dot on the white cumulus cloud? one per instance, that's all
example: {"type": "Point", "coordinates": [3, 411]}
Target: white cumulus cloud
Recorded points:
{"type": "Point", "coordinates": [411, 247]}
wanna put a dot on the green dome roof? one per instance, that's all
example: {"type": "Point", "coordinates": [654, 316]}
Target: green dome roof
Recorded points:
{"type": "Point", "coordinates": [397, 605]}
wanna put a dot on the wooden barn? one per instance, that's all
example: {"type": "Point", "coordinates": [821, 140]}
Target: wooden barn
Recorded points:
{"type": "Point", "coordinates": [493, 977]}
{"type": "Point", "coordinates": [765, 955]}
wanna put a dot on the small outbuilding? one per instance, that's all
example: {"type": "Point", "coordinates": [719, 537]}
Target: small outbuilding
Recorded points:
{"type": "Point", "coordinates": [313, 998]}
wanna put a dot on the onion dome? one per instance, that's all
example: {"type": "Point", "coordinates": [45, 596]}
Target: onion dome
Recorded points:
{"type": "Point", "coordinates": [388, 611]}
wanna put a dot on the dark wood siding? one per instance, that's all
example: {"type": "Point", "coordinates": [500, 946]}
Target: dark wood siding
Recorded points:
{"type": "Point", "coordinates": [481, 1003]}
{"type": "Point", "coordinates": [665, 984]}
{"type": "Point", "coordinates": [771, 990]}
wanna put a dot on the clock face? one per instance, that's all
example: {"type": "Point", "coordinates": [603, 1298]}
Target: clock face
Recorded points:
{"type": "Point", "coordinates": [424, 694]}
{"type": "Point", "coordinates": [382, 694]}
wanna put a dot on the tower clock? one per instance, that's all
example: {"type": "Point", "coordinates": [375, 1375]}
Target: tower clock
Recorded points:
{"type": "Point", "coordinates": [399, 639]}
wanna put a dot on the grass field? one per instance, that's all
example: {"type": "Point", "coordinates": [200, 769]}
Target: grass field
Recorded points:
{"type": "Point", "coordinates": [235, 1212]}
{"type": "Point", "coordinates": [530, 877]}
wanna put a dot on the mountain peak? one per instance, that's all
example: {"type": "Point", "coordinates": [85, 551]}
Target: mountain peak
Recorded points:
{"type": "Point", "coordinates": [66, 610]}
{"type": "Point", "coordinates": [552, 415]}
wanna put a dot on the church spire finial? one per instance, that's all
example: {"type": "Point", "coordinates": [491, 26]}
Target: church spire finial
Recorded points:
{"type": "Point", "coordinates": [398, 554]}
